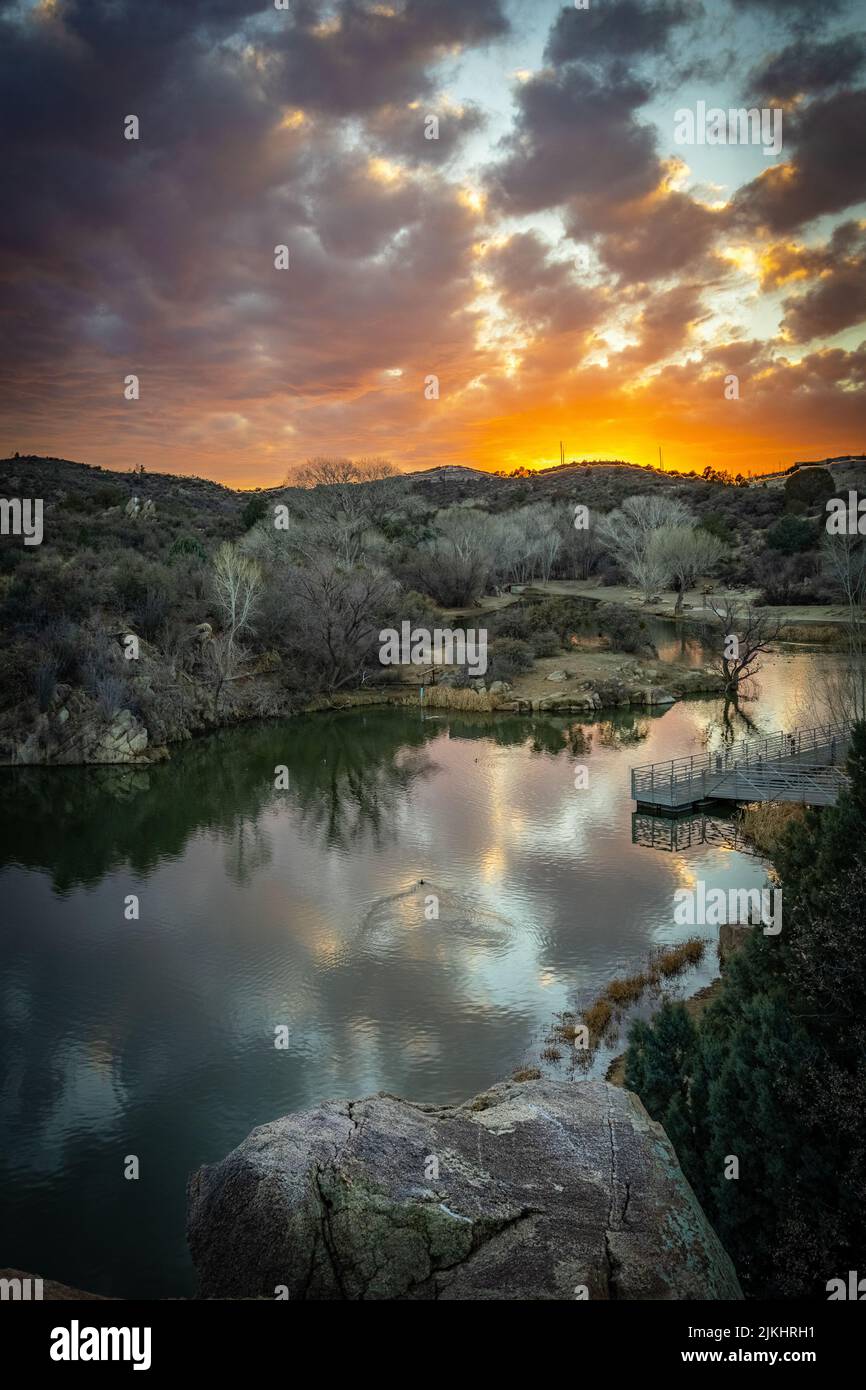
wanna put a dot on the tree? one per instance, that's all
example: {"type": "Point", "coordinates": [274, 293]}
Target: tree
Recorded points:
{"type": "Point", "coordinates": [659, 1057]}
{"type": "Point", "coordinates": [739, 635]}
{"type": "Point", "coordinates": [808, 486]}
{"type": "Point", "coordinates": [339, 501]}
{"type": "Point", "coordinates": [791, 534]}
{"type": "Point", "coordinates": [777, 1074]}
{"type": "Point", "coordinates": [454, 567]}
{"type": "Point", "coordinates": [844, 562]}
{"type": "Point", "coordinates": [630, 534]}
{"type": "Point", "coordinates": [237, 586]}
{"type": "Point", "coordinates": [687, 553]}
{"type": "Point", "coordinates": [254, 509]}
{"type": "Point", "coordinates": [332, 615]}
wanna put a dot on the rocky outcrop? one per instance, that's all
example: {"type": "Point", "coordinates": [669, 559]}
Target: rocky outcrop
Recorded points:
{"type": "Point", "coordinates": [77, 733]}
{"type": "Point", "coordinates": [543, 1190]}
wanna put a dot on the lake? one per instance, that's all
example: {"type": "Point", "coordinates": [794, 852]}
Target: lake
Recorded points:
{"type": "Point", "coordinates": [262, 909]}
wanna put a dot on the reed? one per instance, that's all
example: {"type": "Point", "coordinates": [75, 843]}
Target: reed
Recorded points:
{"type": "Point", "coordinates": [765, 822]}
{"type": "Point", "coordinates": [453, 697]}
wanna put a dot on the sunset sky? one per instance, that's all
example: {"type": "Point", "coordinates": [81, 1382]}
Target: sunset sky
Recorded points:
{"type": "Point", "coordinates": [556, 259]}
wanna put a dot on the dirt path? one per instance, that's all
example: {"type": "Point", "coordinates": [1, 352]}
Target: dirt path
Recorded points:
{"type": "Point", "coordinates": [695, 609]}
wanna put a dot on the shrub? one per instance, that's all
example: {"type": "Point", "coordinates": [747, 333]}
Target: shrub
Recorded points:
{"type": "Point", "coordinates": [187, 545]}
{"type": "Point", "coordinates": [791, 534]}
{"type": "Point", "coordinates": [546, 643]}
{"type": "Point", "coordinates": [625, 630]}
{"type": "Point", "coordinates": [253, 511]}
{"type": "Point", "coordinates": [508, 657]}
{"type": "Point", "coordinates": [808, 487]}
{"type": "Point", "coordinates": [719, 526]}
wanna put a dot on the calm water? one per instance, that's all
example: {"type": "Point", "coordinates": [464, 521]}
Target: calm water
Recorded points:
{"type": "Point", "coordinates": [261, 908]}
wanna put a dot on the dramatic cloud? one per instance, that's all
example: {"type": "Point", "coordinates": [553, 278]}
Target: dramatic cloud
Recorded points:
{"type": "Point", "coordinates": [838, 298]}
{"type": "Point", "coordinates": [631, 29]}
{"type": "Point", "coordinates": [825, 171]}
{"type": "Point", "coordinates": [808, 67]}
{"type": "Point", "coordinates": [526, 232]}
{"type": "Point", "coordinates": [575, 135]}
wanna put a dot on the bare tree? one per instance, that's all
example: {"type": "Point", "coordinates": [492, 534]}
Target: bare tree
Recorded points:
{"type": "Point", "coordinates": [237, 585]}
{"type": "Point", "coordinates": [339, 500]}
{"type": "Point", "coordinates": [630, 534]}
{"type": "Point", "coordinates": [687, 553]}
{"type": "Point", "coordinates": [527, 543]}
{"type": "Point", "coordinates": [580, 549]}
{"type": "Point", "coordinates": [333, 616]}
{"type": "Point", "coordinates": [738, 636]}
{"type": "Point", "coordinates": [455, 567]}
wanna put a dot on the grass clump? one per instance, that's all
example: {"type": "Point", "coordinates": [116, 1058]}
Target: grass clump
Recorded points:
{"type": "Point", "coordinates": [766, 822]}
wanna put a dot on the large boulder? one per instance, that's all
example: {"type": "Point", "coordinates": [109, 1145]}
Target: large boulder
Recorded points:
{"type": "Point", "coordinates": [543, 1190]}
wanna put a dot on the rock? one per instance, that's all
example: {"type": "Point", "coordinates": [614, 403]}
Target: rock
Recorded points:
{"type": "Point", "coordinates": [557, 676]}
{"type": "Point", "coordinates": [123, 741]}
{"type": "Point", "coordinates": [655, 696]}
{"type": "Point", "coordinates": [500, 688]}
{"type": "Point", "coordinates": [526, 1192]}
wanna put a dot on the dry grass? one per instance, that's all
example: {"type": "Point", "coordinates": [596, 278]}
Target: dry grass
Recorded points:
{"type": "Point", "coordinates": [451, 697]}
{"type": "Point", "coordinates": [526, 1074]}
{"type": "Point", "coordinates": [597, 1019]}
{"type": "Point", "coordinates": [674, 959]}
{"type": "Point", "coordinates": [567, 1030]}
{"type": "Point", "coordinates": [766, 821]}
{"type": "Point", "coordinates": [627, 991]}
{"type": "Point", "coordinates": [620, 994]}
{"type": "Point", "coordinates": [551, 1054]}
{"type": "Point", "coordinates": [825, 633]}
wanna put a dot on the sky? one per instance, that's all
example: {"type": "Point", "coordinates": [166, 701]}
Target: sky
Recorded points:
{"type": "Point", "coordinates": [556, 266]}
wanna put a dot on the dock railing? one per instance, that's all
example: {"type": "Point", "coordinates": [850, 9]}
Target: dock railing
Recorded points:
{"type": "Point", "coordinates": [679, 781]}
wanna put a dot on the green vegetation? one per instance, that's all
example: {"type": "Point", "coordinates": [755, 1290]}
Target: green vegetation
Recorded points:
{"type": "Point", "coordinates": [774, 1072]}
{"type": "Point", "coordinates": [791, 534]}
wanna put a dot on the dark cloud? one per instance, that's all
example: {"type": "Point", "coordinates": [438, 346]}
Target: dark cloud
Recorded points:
{"type": "Point", "coordinates": [837, 298]}
{"type": "Point", "coordinates": [542, 291]}
{"type": "Point", "coordinates": [799, 14]}
{"type": "Point", "coordinates": [372, 58]}
{"type": "Point", "coordinates": [575, 135]}
{"type": "Point", "coordinates": [400, 131]}
{"type": "Point", "coordinates": [665, 323]}
{"type": "Point", "coordinates": [808, 68]}
{"type": "Point", "coordinates": [661, 235]}
{"type": "Point", "coordinates": [628, 29]}
{"type": "Point", "coordinates": [157, 256]}
{"type": "Point", "coordinates": [826, 172]}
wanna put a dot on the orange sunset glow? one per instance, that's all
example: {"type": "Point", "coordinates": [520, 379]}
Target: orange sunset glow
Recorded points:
{"type": "Point", "coordinates": [487, 194]}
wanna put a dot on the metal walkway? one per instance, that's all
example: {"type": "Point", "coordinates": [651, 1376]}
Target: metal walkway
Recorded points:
{"type": "Point", "coordinates": [804, 765]}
